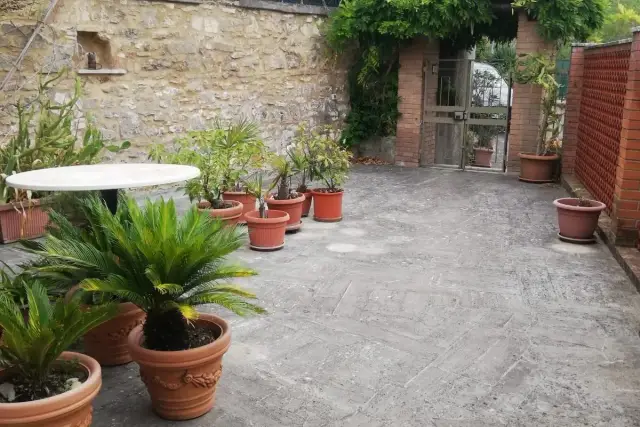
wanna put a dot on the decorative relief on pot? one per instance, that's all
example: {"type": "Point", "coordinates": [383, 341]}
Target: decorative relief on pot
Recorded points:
{"type": "Point", "coordinates": [206, 380]}
{"type": "Point", "coordinates": [124, 332]}
{"type": "Point", "coordinates": [86, 421]}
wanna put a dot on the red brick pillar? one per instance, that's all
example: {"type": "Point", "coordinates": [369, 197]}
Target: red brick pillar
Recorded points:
{"type": "Point", "coordinates": [428, 144]}
{"type": "Point", "coordinates": [626, 197]}
{"type": "Point", "coordinates": [410, 91]}
{"type": "Point", "coordinates": [572, 111]}
{"type": "Point", "coordinates": [525, 109]}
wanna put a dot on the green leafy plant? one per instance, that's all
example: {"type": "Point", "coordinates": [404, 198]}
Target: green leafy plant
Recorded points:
{"type": "Point", "coordinates": [255, 187]}
{"type": "Point", "coordinates": [224, 155]}
{"type": "Point", "coordinates": [45, 138]}
{"type": "Point", "coordinates": [284, 169]}
{"type": "Point", "coordinates": [540, 69]}
{"type": "Point", "coordinates": [328, 159]}
{"type": "Point", "coordinates": [31, 347]}
{"type": "Point", "coordinates": [164, 264]}
{"type": "Point", "coordinates": [50, 265]}
{"type": "Point", "coordinates": [485, 84]}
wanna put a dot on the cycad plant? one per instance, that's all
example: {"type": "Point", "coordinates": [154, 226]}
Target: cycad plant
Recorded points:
{"type": "Point", "coordinates": [284, 169]}
{"type": "Point", "coordinates": [62, 233]}
{"type": "Point", "coordinates": [31, 347]}
{"type": "Point", "coordinates": [164, 264]}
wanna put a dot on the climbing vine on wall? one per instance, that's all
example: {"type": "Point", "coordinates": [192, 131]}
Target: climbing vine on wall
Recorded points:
{"type": "Point", "coordinates": [375, 30]}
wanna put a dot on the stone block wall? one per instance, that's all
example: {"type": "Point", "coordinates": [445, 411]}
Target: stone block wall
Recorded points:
{"type": "Point", "coordinates": [186, 65]}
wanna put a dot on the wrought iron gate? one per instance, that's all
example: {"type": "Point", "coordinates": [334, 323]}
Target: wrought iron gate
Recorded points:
{"type": "Point", "coordinates": [468, 118]}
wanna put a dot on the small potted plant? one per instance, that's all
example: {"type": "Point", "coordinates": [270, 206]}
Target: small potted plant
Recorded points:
{"type": "Point", "coordinates": [241, 152]}
{"type": "Point", "coordinates": [106, 343]}
{"type": "Point", "coordinates": [299, 154]}
{"type": "Point", "coordinates": [267, 227]}
{"type": "Point", "coordinates": [578, 218]}
{"type": "Point", "coordinates": [167, 271]}
{"type": "Point", "coordinates": [539, 167]}
{"type": "Point", "coordinates": [284, 199]}
{"type": "Point", "coordinates": [330, 162]}
{"type": "Point", "coordinates": [42, 384]}
{"type": "Point", "coordinates": [202, 149]}
{"type": "Point", "coordinates": [44, 139]}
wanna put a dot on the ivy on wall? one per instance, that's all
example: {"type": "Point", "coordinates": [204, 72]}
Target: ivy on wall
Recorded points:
{"type": "Point", "coordinates": [375, 30]}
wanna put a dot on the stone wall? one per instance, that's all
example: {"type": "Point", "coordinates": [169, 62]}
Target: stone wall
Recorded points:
{"type": "Point", "coordinates": [186, 65]}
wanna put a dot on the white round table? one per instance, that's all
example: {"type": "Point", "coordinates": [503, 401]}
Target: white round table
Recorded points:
{"type": "Point", "coordinates": [108, 178]}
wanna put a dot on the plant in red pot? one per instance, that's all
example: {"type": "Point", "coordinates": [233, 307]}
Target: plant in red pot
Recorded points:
{"type": "Point", "coordinates": [578, 219]}
{"type": "Point", "coordinates": [41, 384]}
{"type": "Point", "coordinates": [203, 150]}
{"type": "Point", "coordinates": [330, 163]}
{"type": "Point", "coordinates": [267, 227]}
{"type": "Point", "coordinates": [241, 152]}
{"type": "Point", "coordinates": [167, 271]}
{"type": "Point", "coordinates": [539, 167]}
{"type": "Point", "coordinates": [44, 138]}
{"type": "Point", "coordinates": [108, 342]}
{"type": "Point", "coordinates": [299, 153]}
{"type": "Point", "coordinates": [285, 199]}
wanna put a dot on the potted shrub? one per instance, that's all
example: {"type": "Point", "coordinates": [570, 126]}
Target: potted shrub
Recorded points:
{"type": "Point", "coordinates": [44, 138]}
{"type": "Point", "coordinates": [329, 162]}
{"type": "Point", "coordinates": [538, 167]}
{"type": "Point", "coordinates": [202, 149]}
{"type": "Point", "coordinates": [267, 227]}
{"type": "Point", "coordinates": [578, 218]}
{"type": "Point", "coordinates": [167, 271]}
{"type": "Point", "coordinates": [43, 385]}
{"type": "Point", "coordinates": [241, 152]}
{"type": "Point", "coordinates": [284, 199]}
{"type": "Point", "coordinates": [106, 343]}
{"type": "Point", "coordinates": [299, 154]}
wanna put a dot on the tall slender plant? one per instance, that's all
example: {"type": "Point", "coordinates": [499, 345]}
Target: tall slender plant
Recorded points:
{"type": "Point", "coordinates": [540, 69]}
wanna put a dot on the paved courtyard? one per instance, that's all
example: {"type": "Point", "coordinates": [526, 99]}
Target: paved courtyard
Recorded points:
{"type": "Point", "coordinates": [443, 299]}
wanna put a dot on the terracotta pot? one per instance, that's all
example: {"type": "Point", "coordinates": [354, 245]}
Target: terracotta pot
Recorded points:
{"type": "Point", "coordinates": [14, 226]}
{"type": "Point", "coordinates": [229, 216]}
{"type": "Point", "coordinates": [578, 222]}
{"type": "Point", "coordinates": [182, 384]}
{"type": "Point", "coordinates": [327, 207]}
{"type": "Point", "coordinates": [483, 157]}
{"type": "Point", "coordinates": [306, 205]}
{"type": "Point", "coordinates": [293, 207]}
{"type": "Point", "coordinates": [72, 408]}
{"type": "Point", "coordinates": [537, 169]}
{"type": "Point", "coordinates": [248, 202]}
{"type": "Point", "coordinates": [107, 343]}
{"type": "Point", "coordinates": [267, 234]}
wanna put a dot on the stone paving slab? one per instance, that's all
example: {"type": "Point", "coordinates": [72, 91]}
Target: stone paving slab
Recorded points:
{"type": "Point", "coordinates": [443, 299]}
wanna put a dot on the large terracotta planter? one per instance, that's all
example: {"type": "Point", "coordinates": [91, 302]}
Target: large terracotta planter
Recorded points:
{"type": "Point", "coordinates": [182, 384]}
{"type": "Point", "coordinates": [107, 343]}
{"type": "Point", "coordinates": [248, 202]}
{"type": "Point", "coordinates": [578, 223]}
{"type": "Point", "coordinates": [537, 169]}
{"type": "Point", "coordinates": [229, 216]}
{"type": "Point", "coordinates": [70, 409]}
{"type": "Point", "coordinates": [267, 234]}
{"type": "Point", "coordinates": [327, 207]}
{"type": "Point", "coordinates": [293, 207]}
{"type": "Point", "coordinates": [482, 157]}
{"type": "Point", "coordinates": [306, 205]}
{"type": "Point", "coordinates": [15, 226]}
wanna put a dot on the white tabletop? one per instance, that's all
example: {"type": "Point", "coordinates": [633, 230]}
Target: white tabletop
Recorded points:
{"type": "Point", "coordinates": [102, 177]}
